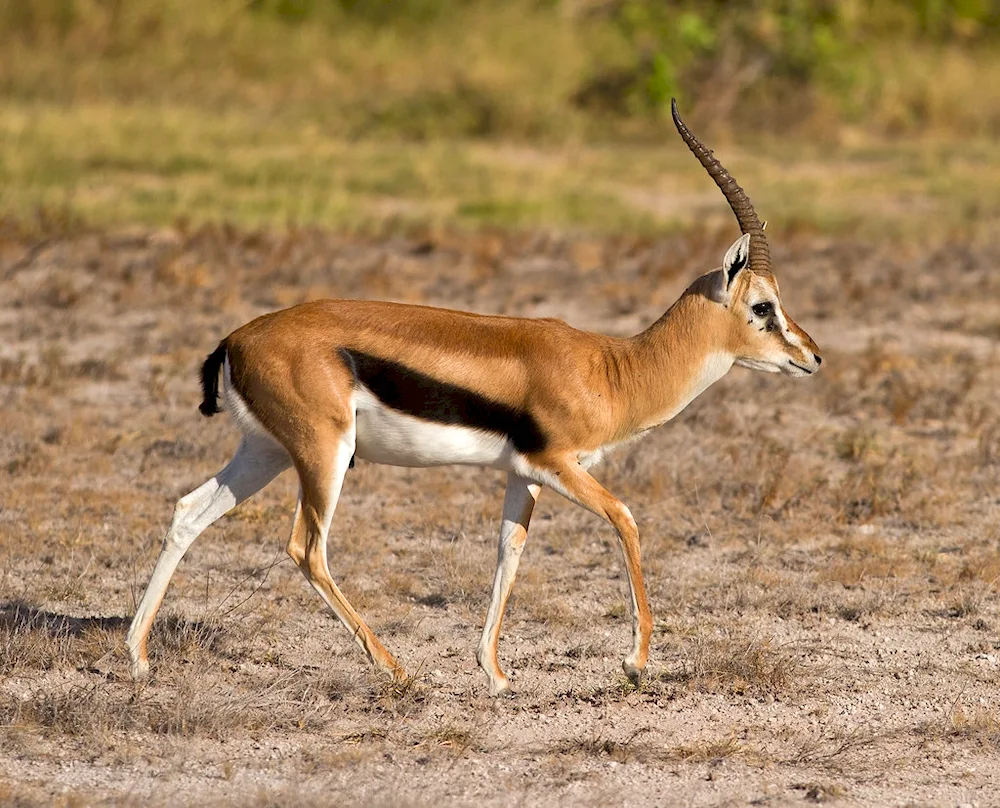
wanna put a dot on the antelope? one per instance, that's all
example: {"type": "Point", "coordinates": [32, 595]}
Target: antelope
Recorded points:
{"type": "Point", "coordinates": [317, 385]}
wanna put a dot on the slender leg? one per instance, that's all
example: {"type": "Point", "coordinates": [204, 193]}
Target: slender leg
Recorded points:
{"type": "Point", "coordinates": [519, 501]}
{"type": "Point", "coordinates": [572, 481]}
{"type": "Point", "coordinates": [257, 461]}
{"type": "Point", "coordinates": [322, 478]}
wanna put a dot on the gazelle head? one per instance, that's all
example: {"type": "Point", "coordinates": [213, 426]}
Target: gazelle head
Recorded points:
{"type": "Point", "coordinates": [762, 335]}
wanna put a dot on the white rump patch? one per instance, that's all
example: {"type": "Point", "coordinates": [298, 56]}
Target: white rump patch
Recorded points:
{"type": "Point", "coordinates": [237, 407]}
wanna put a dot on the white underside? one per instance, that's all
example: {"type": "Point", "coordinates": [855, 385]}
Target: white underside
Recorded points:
{"type": "Point", "coordinates": [397, 439]}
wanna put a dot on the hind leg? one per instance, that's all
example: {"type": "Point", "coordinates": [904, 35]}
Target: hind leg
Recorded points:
{"type": "Point", "coordinates": [321, 475]}
{"type": "Point", "coordinates": [257, 461]}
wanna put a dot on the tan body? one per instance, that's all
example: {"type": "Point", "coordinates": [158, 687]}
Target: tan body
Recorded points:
{"type": "Point", "coordinates": [599, 397]}
{"type": "Point", "coordinates": [323, 383]}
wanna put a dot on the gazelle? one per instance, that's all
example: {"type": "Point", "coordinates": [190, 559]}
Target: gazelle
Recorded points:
{"type": "Point", "coordinates": [319, 384]}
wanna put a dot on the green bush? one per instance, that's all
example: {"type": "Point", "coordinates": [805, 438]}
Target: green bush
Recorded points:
{"type": "Point", "coordinates": [768, 48]}
{"type": "Point", "coordinates": [526, 69]}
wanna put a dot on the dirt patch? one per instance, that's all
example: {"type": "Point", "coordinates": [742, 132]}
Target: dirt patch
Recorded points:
{"type": "Point", "coordinates": [821, 556]}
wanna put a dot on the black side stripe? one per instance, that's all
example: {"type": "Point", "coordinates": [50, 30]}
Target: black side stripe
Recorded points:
{"type": "Point", "coordinates": [422, 396]}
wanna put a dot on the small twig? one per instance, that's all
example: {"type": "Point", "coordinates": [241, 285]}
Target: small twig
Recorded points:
{"type": "Point", "coordinates": [27, 259]}
{"type": "Point", "coordinates": [701, 511]}
{"type": "Point", "coordinates": [267, 571]}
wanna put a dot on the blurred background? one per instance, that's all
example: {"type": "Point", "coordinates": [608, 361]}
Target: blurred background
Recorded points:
{"type": "Point", "coordinates": [524, 113]}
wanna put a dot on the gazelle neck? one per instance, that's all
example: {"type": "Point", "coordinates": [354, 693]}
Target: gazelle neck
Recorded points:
{"type": "Point", "coordinates": [680, 356]}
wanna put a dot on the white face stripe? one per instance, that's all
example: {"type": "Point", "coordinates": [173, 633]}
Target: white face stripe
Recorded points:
{"type": "Point", "coordinates": [790, 335]}
{"type": "Point", "coordinates": [783, 349]}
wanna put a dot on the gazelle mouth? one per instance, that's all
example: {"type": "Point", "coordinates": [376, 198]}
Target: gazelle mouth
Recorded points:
{"type": "Point", "coordinates": [800, 367]}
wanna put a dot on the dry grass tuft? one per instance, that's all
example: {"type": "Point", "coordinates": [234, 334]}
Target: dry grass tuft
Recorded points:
{"type": "Point", "coordinates": [980, 726]}
{"type": "Point", "coordinates": [834, 750]}
{"type": "Point", "coordinates": [202, 709]}
{"type": "Point", "coordinates": [620, 751]}
{"type": "Point", "coordinates": [178, 637]}
{"type": "Point", "coordinates": [709, 751]}
{"type": "Point", "coordinates": [739, 665]}
{"type": "Point", "coordinates": [33, 639]}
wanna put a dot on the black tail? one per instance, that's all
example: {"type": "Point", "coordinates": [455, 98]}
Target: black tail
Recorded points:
{"type": "Point", "coordinates": [210, 381]}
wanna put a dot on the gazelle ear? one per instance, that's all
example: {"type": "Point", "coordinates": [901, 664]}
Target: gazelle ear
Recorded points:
{"type": "Point", "coordinates": [737, 258]}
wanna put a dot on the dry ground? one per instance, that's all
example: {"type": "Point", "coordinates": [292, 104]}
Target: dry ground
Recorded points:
{"type": "Point", "coordinates": [822, 556]}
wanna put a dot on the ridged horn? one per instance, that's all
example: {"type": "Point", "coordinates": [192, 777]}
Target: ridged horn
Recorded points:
{"type": "Point", "coordinates": [760, 252]}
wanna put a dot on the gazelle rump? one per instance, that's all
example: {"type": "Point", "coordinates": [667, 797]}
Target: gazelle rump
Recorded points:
{"type": "Point", "coordinates": [317, 385]}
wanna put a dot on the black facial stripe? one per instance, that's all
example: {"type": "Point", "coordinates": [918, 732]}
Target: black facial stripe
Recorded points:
{"type": "Point", "coordinates": [422, 396]}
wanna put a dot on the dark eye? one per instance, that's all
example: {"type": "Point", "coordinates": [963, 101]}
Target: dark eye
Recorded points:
{"type": "Point", "coordinates": [763, 309]}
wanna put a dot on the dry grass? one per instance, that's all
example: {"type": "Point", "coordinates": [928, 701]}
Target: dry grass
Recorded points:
{"type": "Point", "coordinates": [822, 557]}
{"type": "Point", "coordinates": [739, 666]}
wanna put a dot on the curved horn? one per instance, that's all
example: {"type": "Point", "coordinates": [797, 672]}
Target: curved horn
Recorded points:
{"type": "Point", "coordinates": [760, 252]}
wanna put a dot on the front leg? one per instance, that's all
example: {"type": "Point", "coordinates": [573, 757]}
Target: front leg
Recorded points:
{"type": "Point", "coordinates": [571, 480]}
{"type": "Point", "coordinates": [519, 501]}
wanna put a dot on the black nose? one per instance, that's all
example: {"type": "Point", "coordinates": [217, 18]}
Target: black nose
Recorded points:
{"type": "Point", "coordinates": [818, 358]}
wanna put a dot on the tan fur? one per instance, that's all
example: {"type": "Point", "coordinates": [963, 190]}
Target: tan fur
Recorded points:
{"type": "Point", "coordinates": [585, 391]}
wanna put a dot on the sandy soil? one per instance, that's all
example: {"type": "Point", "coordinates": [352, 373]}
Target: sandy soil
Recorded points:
{"type": "Point", "coordinates": [822, 556]}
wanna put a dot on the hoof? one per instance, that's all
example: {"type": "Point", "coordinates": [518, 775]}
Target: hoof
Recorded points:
{"type": "Point", "coordinates": [139, 669]}
{"type": "Point", "coordinates": [397, 675]}
{"type": "Point", "coordinates": [633, 672]}
{"type": "Point", "coordinates": [500, 689]}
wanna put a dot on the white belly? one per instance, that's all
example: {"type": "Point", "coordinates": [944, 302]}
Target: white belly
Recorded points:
{"type": "Point", "coordinates": [396, 439]}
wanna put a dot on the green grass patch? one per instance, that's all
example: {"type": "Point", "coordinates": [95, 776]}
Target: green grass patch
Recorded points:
{"type": "Point", "coordinates": [155, 164]}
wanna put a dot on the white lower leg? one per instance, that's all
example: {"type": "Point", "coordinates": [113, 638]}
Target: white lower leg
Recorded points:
{"type": "Point", "coordinates": [509, 555]}
{"type": "Point", "coordinates": [519, 500]}
{"type": "Point", "coordinates": [255, 464]}
{"type": "Point", "coordinates": [632, 664]}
